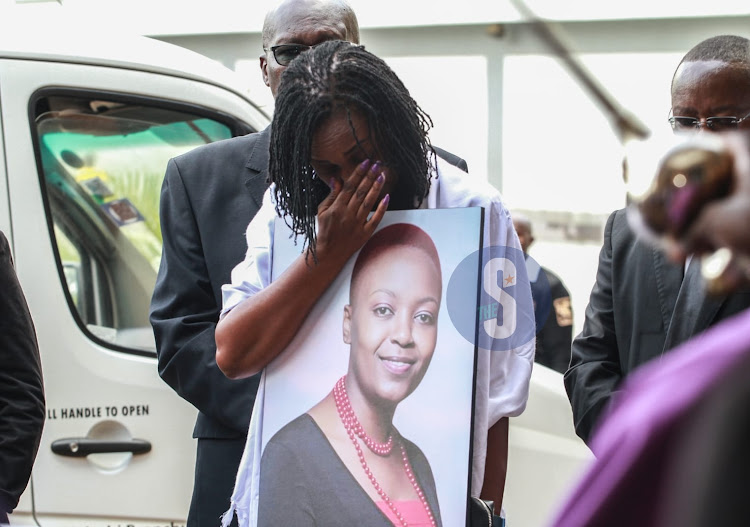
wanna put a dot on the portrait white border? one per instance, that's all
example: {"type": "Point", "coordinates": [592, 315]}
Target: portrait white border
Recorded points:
{"type": "Point", "coordinates": [438, 416]}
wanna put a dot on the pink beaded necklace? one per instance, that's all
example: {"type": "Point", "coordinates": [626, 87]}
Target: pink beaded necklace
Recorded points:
{"type": "Point", "coordinates": [354, 429]}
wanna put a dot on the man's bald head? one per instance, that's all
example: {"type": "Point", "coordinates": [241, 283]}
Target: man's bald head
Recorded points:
{"type": "Point", "coordinates": [332, 9]}
{"type": "Point", "coordinates": [522, 224]}
{"type": "Point", "coordinates": [304, 22]}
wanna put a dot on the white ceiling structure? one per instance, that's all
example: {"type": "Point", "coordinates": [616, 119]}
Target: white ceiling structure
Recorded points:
{"type": "Point", "coordinates": [195, 17]}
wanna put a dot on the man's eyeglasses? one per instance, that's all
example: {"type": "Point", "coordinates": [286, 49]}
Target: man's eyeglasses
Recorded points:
{"type": "Point", "coordinates": [286, 53]}
{"type": "Point", "coordinates": [682, 124]}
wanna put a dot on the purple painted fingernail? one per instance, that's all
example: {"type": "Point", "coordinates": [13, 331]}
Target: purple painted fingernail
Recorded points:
{"type": "Point", "coordinates": [387, 199]}
{"type": "Point", "coordinates": [381, 178]}
{"type": "Point", "coordinates": [364, 164]}
{"type": "Point", "coordinates": [375, 167]}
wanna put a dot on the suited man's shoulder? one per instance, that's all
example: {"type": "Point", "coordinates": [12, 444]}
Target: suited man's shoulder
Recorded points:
{"type": "Point", "coordinates": [620, 226]}
{"type": "Point", "coordinates": [236, 148]}
{"type": "Point", "coordinates": [225, 167]}
{"type": "Point", "coordinates": [621, 235]}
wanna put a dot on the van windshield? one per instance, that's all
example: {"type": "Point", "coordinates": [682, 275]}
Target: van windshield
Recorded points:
{"type": "Point", "coordinates": [103, 164]}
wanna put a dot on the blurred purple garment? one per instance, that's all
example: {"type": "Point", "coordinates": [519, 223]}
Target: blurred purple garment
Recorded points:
{"type": "Point", "coordinates": [645, 447]}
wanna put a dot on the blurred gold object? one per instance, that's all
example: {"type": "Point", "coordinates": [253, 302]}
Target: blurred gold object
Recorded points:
{"type": "Point", "coordinates": [690, 175]}
{"type": "Point", "coordinates": [724, 271]}
{"type": "Point", "coordinates": [715, 269]}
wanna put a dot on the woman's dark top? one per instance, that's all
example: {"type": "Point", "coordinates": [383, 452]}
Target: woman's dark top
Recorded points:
{"type": "Point", "coordinates": [303, 482]}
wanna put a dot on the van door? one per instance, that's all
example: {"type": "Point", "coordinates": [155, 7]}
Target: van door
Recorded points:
{"type": "Point", "coordinates": [86, 149]}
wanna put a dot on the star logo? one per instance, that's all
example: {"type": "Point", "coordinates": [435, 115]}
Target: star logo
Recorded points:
{"type": "Point", "coordinates": [501, 318]}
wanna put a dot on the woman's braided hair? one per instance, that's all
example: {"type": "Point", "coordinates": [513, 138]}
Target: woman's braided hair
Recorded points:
{"type": "Point", "coordinates": [331, 76]}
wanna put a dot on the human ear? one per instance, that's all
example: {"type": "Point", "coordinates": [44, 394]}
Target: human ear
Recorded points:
{"type": "Point", "coordinates": [347, 324]}
{"type": "Point", "coordinates": [264, 70]}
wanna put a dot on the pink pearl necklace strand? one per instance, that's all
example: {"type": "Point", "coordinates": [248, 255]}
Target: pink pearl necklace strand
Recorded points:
{"type": "Point", "coordinates": [353, 426]}
{"type": "Point", "coordinates": [350, 421]}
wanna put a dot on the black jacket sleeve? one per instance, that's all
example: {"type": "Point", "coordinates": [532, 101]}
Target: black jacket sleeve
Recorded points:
{"type": "Point", "coordinates": [595, 372]}
{"type": "Point", "coordinates": [21, 390]}
{"type": "Point", "coordinates": [204, 210]}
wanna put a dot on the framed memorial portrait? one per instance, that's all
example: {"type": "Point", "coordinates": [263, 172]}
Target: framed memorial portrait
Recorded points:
{"type": "Point", "coordinates": [367, 417]}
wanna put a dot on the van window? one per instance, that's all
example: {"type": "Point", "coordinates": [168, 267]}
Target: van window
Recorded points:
{"type": "Point", "coordinates": [102, 163]}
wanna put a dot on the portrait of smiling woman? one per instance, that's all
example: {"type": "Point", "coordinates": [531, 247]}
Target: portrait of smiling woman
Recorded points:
{"type": "Point", "coordinates": [345, 452]}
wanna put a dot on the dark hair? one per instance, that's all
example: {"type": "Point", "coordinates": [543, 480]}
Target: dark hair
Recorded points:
{"type": "Point", "coordinates": [336, 75]}
{"type": "Point", "coordinates": [395, 235]}
{"type": "Point", "coordinates": [729, 49]}
{"type": "Point", "coordinates": [724, 48]}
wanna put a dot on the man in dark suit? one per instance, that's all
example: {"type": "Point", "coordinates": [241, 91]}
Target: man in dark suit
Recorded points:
{"type": "Point", "coordinates": [640, 305]}
{"type": "Point", "coordinates": [21, 390]}
{"type": "Point", "coordinates": [209, 196]}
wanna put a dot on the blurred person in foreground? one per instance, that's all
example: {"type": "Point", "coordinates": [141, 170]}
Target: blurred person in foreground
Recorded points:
{"type": "Point", "coordinates": [673, 452]}
{"type": "Point", "coordinates": [643, 305]}
{"type": "Point", "coordinates": [21, 388]}
{"type": "Point", "coordinates": [552, 308]}
{"type": "Point", "coordinates": [347, 143]}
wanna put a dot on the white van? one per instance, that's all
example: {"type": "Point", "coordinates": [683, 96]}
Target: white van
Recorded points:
{"type": "Point", "coordinates": [87, 124]}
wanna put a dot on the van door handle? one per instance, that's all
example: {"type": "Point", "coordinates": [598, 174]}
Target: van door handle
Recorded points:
{"type": "Point", "coordinates": [82, 446]}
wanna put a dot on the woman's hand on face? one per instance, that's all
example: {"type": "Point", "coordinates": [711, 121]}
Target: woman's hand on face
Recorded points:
{"type": "Point", "coordinates": [343, 223]}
